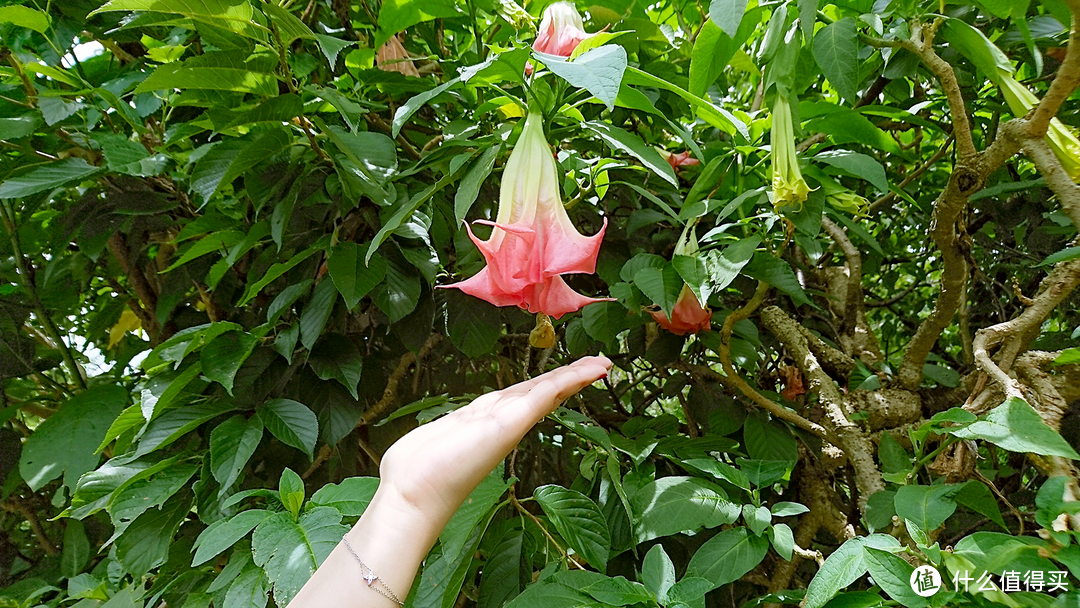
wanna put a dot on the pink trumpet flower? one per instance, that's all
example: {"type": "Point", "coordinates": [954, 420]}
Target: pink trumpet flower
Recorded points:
{"type": "Point", "coordinates": [533, 240]}
{"type": "Point", "coordinates": [687, 317]}
{"type": "Point", "coordinates": [561, 31]}
{"type": "Point", "coordinates": [392, 57]}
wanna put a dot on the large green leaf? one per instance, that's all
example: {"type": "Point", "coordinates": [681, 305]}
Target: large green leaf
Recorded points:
{"type": "Point", "coordinates": [292, 423]}
{"type": "Point", "coordinates": [579, 521]}
{"type": "Point", "coordinates": [350, 497]}
{"type": "Point", "coordinates": [217, 71]}
{"type": "Point", "coordinates": [927, 506]}
{"type": "Point", "coordinates": [317, 312]}
{"type": "Point", "coordinates": [843, 567]}
{"type": "Point", "coordinates": [24, 16]}
{"type": "Point", "coordinates": [224, 533]}
{"type": "Point", "coordinates": [893, 575]}
{"type": "Point", "coordinates": [224, 355]}
{"type": "Point", "coordinates": [599, 71]}
{"type": "Point", "coordinates": [1017, 427]}
{"type": "Point", "coordinates": [859, 165]}
{"type": "Point", "coordinates": [76, 549]}
{"type": "Point", "coordinates": [661, 285]}
{"type": "Point", "coordinates": [251, 589]}
{"type": "Point", "coordinates": [47, 176]}
{"type": "Point", "coordinates": [836, 49]}
{"type": "Point", "coordinates": [336, 357]}
{"type": "Point", "coordinates": [673, 505]}
{"type": "Point", "coordinates": [397, 15]}
{"type": "Point", "coordinates": [727, 14]}
{"type": "Point", "coordinates": [208, 10]}
{"type": "Point", "coordinates": [778, 273]}
{"type": "Point", "coordinates": [501, 581]}
{"type": "Point", "coordinates": [633, 145]}
{"type": "Point", "coordinates": [353, 278]}
{"type": "Point", "coordinates": [658, 572]}
{"type": "Point", "coordinates": [66, 442]}
{"type": "Point", "coordinates": [134, 497]}
{"type": "Point", "coordinates": [144, 545]}
{"type": "Point", "coordinates": [290, 550]}
{"type": "Point", "coordinates": [469, 188]}
{"type": "Point", "coordinates": [231, 445]}
{"type": "Point", "coordinates": [176, 423]}
{"type": "Point", "coordinates": [727, 556]}
{"type": "Point", "coordinates": [230, 159]}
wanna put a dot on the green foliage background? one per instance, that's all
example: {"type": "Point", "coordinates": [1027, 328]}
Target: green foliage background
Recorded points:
{"type": "Point", "coordinates": [222, 234]}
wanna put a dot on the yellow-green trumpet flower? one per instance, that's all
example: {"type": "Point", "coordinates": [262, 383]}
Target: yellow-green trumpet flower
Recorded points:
{"type": "Point", "coordinates": [1061, 140]}
{"type": "Point", "coordinates": [788, 185]}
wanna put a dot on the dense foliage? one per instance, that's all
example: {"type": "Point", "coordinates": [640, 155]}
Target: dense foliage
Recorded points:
{"type": "Point", "coordinates": [224, 222]}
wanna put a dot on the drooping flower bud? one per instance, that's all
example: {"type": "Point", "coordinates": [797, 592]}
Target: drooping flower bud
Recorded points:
{"type": "Point", "coordinates": [676, 160]}
{"type": "Point", "coordinates": [561, 30]}
{"type": "Point", "coordinates": [533, 241]}
{"type": "Point", "coordinates": [788, 185]}
{"type": "Point", "coordinates": [688, 316]}
{"type": "Point", "coordinates": [392, 57]}
{"type": "Point", "coordinates": [1060, 139]}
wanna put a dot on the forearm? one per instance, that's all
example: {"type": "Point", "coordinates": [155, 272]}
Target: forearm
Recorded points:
{"type": "Point", "coordinates": [392, 539]}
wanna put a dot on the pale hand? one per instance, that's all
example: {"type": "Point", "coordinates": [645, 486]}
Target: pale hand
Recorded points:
{"type": "Point", "coordinates": [427, 474]}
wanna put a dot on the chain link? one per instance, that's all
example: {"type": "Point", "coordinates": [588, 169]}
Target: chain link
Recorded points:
{"type": "Point", "coordinates": [370, 578]}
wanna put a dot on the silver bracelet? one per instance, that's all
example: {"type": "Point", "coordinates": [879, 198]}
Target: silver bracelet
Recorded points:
{"type": "Point", "coordinates": [371, 578]}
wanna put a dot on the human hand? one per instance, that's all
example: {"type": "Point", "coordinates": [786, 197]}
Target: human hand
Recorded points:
{"type": "Point", "coordinates": [433, 468]}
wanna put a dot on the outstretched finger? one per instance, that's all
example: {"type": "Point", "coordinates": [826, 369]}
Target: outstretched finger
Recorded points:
{"type": "Point", "coordinates": [541, 395]}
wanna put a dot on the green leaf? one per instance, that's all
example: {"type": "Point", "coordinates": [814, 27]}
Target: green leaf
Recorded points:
{"type": "Point", "coordinates": [1069, 253]}
{"type": "Point", "coordinates": [331, 47]}
{"type": "Point", "coordinates": [144, 545]}
{"type": "Point", "coordinates": [406, 211]}
{"type": "Point", "coordinates": [893, 575]}
{"type": "Point", "coordinates": [783, 540]}
{"type": "Point", "coordinates": [578, 520]}
{"type": "Point", "coordinates": [455, 535]}
{"type": "Point", "coordinates": [350, 497]}
{"type": "Point", "coordinates": [282, 108]}
{"type": "Point", "coordinates": [317, 312]}
{"type": "Point", "coordinates": [859, 165]}
{"type": "Point", "coordinates": [712, 114]}
{"type": "Point", "coordinates": [469, 187]}
{"type": "Point", "coordinates": [216, 71]}
{"type": "Point", "coordinates": [658, 572]}
{"type": "Point", "coordinates": [24, 16]}
{"type": "Point", "coordinates": [894, 458]}
{"type": "Point", "coordinates": [618, 591]}
{"type": "Point", "coordinates": [251, 589]}
{"type": "Point", "coordinates": [599, 71]}
{"type": "Point", "coordinates": [976, 496]}
{"type": "Point", "coordinates": [292, 423]}
{"type": "Point", "coordinates": [604, 320]}
{"type": "Point", "coordinates": [836, 50]}
{"type": "Point", "coordinates": [502, 571]}
{"type": "Point", "coordinates": [225, 533]}
{"type": "Point", "coordinates": [279, 269]}
{"type": "Point", "coordinates": [149, 489]}
{"type": "Point", "coordinates": [290, 550]}
{"type": "Point", "coordinates": [351, 276]}
{"type": "Point", "coordinates": [474, 325]}
{"type": "Point", "coordinates": [757, 518]}
{"type": "Point", "coordinates": [843, 567]}
{"type": "Point", "coordinates": [65, 443]}
{"type": "Point", "coordinates": [400, 293]}
{"type": "Point", "coordinates": [231, 445]}
{"type": "Point", "coordinates": [661, 285]}
{"type": "Point", "coordinates": [673, 505]}
{"type": "Point", "coordinates": [1068, 356]}
{"type": "Point", "coordinates": [974, 45]}
{"type": "Point", "coordinates": [336, 357]}
{"type": "Point", "coordinates": [1017, 427]}
{"type": "Point", "coordinates": [176, 423]}
{"type": "Point", "coordinates": [373, 156]}
{"type": "Point", "coordinates": [232, 158]}
{"type": "Point", "coordinates": [726, 557]}
{"type": "Point", "coordinates": [289, 26]}
{"type": "Point", "coordinates": [723, 267]}
{"type": "Point", "coordinates": [776, 272]}
{"type": "Point", "coordinates": [291, 491]}
{"type": "Point", "coordinates": [18, 127]}
{"type": "Point", "coordinates": [76, 552]}
{"type": "Point", "coordinates": [398, 15]}
{"type": "Point", "coordinates": [769, 440]}
{"type": "Point", "coordinates": [401, 116]}
{"type": "Point", "coordinates": [927, 506]}
{"type": "Point", "coordinates": [204, 10]}
{"type": "Point", "coordinates": [727, 14]}
{"type": "Point", "coordinates": [695, 274]}
{"type": "Point", "coordinates": [224, 355]}
{"type": "Point", "coordinates": [633, 145]}
{"type": "Point", "coordinates": [788, 509]}
{"type": "Point", "coordinates": [47, 176]}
